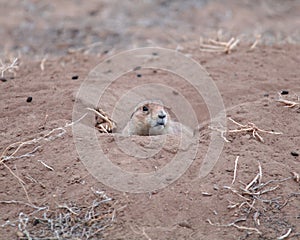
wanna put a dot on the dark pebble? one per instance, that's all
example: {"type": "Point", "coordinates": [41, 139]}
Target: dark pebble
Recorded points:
{"type": "Point", "coordinates": [284, 92]}
{"type": "Point", "coordinates": [3, 79]}
{"type": "Point", "coordinates": [154, 71]}
{"type": "Point", "coordinates": [75, 77]}
{"type": "Point", "coordinates": [29, 99]}
{"type": "Point", "coordinates": [139, 75]}
{"type": "Point", "coordinates": [154, 53]}
{"type": "Point", "coordinates": [295, 154]}
{"type": "Point", "coordinates": [35, 222]}
{"type": "Point", "coordinates": [266, 95]}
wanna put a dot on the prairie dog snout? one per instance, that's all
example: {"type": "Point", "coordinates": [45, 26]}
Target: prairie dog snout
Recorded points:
{"type": "Point", "coordinates": [150, 118]}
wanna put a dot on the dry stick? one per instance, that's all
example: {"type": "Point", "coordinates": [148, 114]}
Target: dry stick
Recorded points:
{"type": "Point", "coordinates": [218, 46]}
{"type": "Point", "coordinates": [100, 115]}
{"type": "Point", "coordinates": [22, 183]}
{"type": "Point", "coordinates": [224, 44]}
{"type": "Point", "coordinates": [235, 169]}
{"type": "Point", "coordinates": [237, 193]}
{"type": "Point", "coordinates": [285, 235]}
{"type": "Point", "coordinates": [67, 207]}
{"type": "Point", "coordinates": [259, 172]}
{"type": "Point", "coordinates": [24, 203]}
{"type": "Point", "coordinates": [3, 158]}
{"type": "Point", "coordinates": [42, 65]}
{"type": "Point", "coordinates": [233, 224]}
{"type": "Point", "coordinates": [11, 68]}
{"type": "Point", "coordinates": [250, 127]}
{"type": "Point", "coordinates": [47, 166]}
{"type": "Point", "coordinates": [254, 44]}
{"type": "Point", "coordinates": [270, 181]}
{"type": "Point", "coordinates": [288, 103]}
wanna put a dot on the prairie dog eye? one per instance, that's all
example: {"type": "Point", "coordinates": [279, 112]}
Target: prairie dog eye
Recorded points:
{"type": "Point", "coordinates": [145, 109]}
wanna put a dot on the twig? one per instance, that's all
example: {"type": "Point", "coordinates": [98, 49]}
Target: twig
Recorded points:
{"type": "Point", "coordinates": [257, 39]}
{"type": "Point", "coordinates": [22, 183]}
{"type": "Point", "coordinates": [219, 46]}
{"type": "Point", "coordinates": [67, 207]}
{"type": "Point", "coordinates": [12, 67]}
{"type": "Point", "coordinates": [47, 166]}
{"type": "Point", "coordinates": [103, 122]}
{"type": "Point", "coordinates": [285, 235]}
{"type": "Point", "coordinates": [250, 127]}
{"type": "Point", "coordinates": [233, 224]}
{"type": "Point", "coordinates": [24, 203]}
{"type": "Point", "coordinates": [235, 169]}
{"type": "Point", "coordinates": [288, 103]}
{"type": "Point", "coordinates": [42, 65]}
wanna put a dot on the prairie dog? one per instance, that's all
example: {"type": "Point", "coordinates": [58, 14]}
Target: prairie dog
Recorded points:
{"type": "Point", "coordinates": [151, 118]}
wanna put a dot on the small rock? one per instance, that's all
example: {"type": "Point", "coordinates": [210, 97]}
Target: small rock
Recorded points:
{"type": "Point", "coordinates": [3, 79]}
{"type": "Point", "coordinates": [295, 154]}
{"type": "Point", "coordinates": [75, 77]}
{"type": "Point", "coordinates": [29, 99]}
{"type": "Point", "coordinates": [139, 75]}
{"type": "Point", "coordinates": [35, 222]}
{"type": "Point", "coordinates": [185, 224]}
{"type": "Point", "coordinates": [284, 92]}
{"type": "Point", "coordinates": [266, 95]}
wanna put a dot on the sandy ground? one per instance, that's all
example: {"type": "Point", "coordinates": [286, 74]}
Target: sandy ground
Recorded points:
{"type": "Point", "coordinates": [44, 201]}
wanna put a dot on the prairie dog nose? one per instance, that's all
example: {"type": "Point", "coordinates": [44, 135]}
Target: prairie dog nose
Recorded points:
{"type": "Point", "coordinates": [162, 114]}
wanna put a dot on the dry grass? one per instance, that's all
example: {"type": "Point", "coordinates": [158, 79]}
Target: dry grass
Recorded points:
{"type": "Point", "coordinates": [11, 67]}
{"type": "Point", "coordinates": [257, 202]}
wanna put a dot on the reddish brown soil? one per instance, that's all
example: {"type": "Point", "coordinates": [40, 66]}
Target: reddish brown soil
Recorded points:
{"type": "Point", "coordinates": [249, 82]}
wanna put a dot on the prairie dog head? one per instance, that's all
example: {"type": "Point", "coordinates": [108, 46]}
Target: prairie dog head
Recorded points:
{"type": "Point", "coordinates": [149, 118]}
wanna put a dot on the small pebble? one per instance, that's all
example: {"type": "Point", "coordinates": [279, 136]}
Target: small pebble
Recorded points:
{"type": "Point", "coordinates": [3, 79]}
{"type": "Point", "coordinates": [139, 75]}
{"type": "Point", "coordinates": [284, 92]}
{"type": "Point", "coordinates": [266, 95]}
{"type": "Point", "coordinates": [75, 77]}
{"type": "Point", "coordinates": [185, 224]}
{"type": "Point", "coordinates": [154, 53]}
{"type": "Point", "coordinates": [35, 222]}
{"type": "Point", "coordinates": [295, 154]}
{"type": "Point", "coordinates": [154, 71]}
{"type": "Point", "coordinates": [29, 99]}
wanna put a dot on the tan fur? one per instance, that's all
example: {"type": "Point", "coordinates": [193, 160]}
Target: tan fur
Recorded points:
{"type": "Point", "coordinates": [150, 122]}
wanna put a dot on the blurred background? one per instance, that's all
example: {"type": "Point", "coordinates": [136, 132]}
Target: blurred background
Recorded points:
{"type": "Point", "coordinates": [35, 28]}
